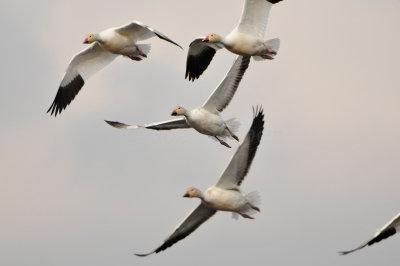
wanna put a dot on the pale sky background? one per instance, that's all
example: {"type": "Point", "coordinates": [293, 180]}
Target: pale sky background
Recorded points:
{"type": "Point", "coordinates": [74, 191]}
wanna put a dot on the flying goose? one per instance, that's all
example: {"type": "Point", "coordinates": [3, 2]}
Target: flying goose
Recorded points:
{"type": "Point", "coordinates": [206, 119]}
{"type": "Point", "coordinates": [105, 47]}
{"type": "Point", "coordinates": [246, 39]}
{"type": "Point", "coordinates": [389, 229]}
{"type": "Point", "coordinates": [225, 195]}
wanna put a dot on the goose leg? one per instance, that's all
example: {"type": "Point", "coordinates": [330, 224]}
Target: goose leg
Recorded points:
{"type": "Point", "coordinates": [222, 142]}
{"type": "Point", "coordinates": [136, 58]}
{"type": "Point", "coordinates": [233, 135]}
{"type": "Point", "coordinates": [246, 216]}
{"type": "Point", "coordinates": [265, 56]}
{"type": "Point", "coordinates": [254, 207]}
{"type": "Point", "coordinates": [140, 52]}
{"type": "Point", "coordinates": [269, 53]}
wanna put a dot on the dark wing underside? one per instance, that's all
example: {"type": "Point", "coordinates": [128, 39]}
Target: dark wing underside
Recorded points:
{"type": "Point", "coordinates": [240, 163]}
{"type": "Point", "coordinates": [191, 223]}
{"type": "Point", "coordinates": [389, 229]}
{"type": "Point", "coordinates": [383, 235]}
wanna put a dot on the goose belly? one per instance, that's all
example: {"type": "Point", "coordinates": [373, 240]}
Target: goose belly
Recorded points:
{"type": "Point", "coordinates": [119, 44]}
{"type": "Point", "coordinates": [224, 200]}
{"type": "Point", "coordinates": [206, 123]}
{"type": "Point", "coordinates": [243, 44]}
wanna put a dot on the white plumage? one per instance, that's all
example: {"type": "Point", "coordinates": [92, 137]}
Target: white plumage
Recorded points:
{"type": "Point", "coordinates": [105, 46]}
{"type": "Point", "coordinates": [206, 119]}
{"type": "Point", "coordinates": [246, 39]}
{"type": "Point", "coordinates": [225, 195]}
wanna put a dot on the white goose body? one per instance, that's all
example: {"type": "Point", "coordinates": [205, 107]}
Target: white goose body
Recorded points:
{"type": "Point", "coordinates": [117, 43]}
{"type": "Point", "coordinates": [206, 122]}
{"type": "Point", "coordinates": [244, 44]}
{"type": "Point", "coordinates": [225, 194]}
{"type": "Point", "coordinates": [103, 49]}
{"type": "Point", "coordinates": [206, 119]}
{"type": "Point", "coordinates": [246, 39]}
{"type": "Point", "coordinates": [225, 199]}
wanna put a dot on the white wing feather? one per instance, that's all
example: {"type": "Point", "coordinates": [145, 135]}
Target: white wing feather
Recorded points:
{"type": "Point", "coordinates": [165, 125]}
{"type": "Point", "coordinates": [87, 62]}
{"type": "Point", "coordinates": [254, 18]}
{"type": "Point", "coordinates": [225, 91]}
{"type": "Point", "coordinates": [138, 31]}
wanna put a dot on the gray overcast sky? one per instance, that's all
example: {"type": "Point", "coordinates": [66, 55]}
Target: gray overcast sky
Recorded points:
{"type": "Point", "coordinates": [74, 191]}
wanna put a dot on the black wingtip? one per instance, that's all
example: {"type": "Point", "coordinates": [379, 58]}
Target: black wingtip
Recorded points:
{"type": "Point", "coordinates": [196, 65]}
{"type": "Point", "coordinates": [178, 45]}
{"type": "Point", "coordinates": [255, 134]}
{"type": "Point", "coordinates": [144, 255]}
{"type": "Point", "coordinates": [274, 1]}
{"type": "Point", "coordinates": [165, 38]}
{"type": "Point", "coordinates": [342, 253]}
{"type": "Point", "coordinates": [65, 95]}
{"type": "Point", "coordinates": [258, 124]}
{"type": "Point", "coordinates": [258, 116]}
{"type": "Point", "coordinates": [116, 124]}
{"type": "Point", "coordinates": [53, 108]}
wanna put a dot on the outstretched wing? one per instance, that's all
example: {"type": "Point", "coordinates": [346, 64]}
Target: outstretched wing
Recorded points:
{"type": "Point", "coordinates": [191, 223]}
{"type": "Point", "coordinates": [255, 17]}
{"type": "Point", "coordinates": [240, 163]}
{"type": "Point", "coordinates": [389, 229]}
{"type": "Point", "coordinates": [140, 31]}
{"type": "Point", "coordinates": [199, 57]}
{"type": "Point", "coordinates": [166, 125]}
{"type": "Point", "coordinates": [82, 66]}
{"type": "Point", "coordinates": [223, 94]}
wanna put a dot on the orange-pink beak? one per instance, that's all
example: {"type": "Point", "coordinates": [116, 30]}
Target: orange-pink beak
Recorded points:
{"type": "Point", "coordinates": [206, 39]}
{"type": "Point", "coordinates": [86, 40]}
{"type": "Point", "coordinates": [174, 113]}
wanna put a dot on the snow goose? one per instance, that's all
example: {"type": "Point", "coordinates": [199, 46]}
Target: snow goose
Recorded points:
{"type": "Point", "coordinates": [246, 39]}
{"type": "Point", "coordinates": [225, 195]}
{"type": "Point", "coordinates": [389, 229]}
{"type": "Point", "coordinates": [206, 119]}
{"type": "Point", "coordinates": [105, 46]}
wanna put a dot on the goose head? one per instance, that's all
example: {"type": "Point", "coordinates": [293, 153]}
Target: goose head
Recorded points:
{"type": "Point", "coordinates": [193, 193]}
{"type": "Point", "coordinates": [89, 38]}
{"type": "Point", "coordinates": [213, 38]}
{"type": "Point", "coordinates": [178, 111]}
